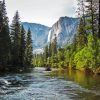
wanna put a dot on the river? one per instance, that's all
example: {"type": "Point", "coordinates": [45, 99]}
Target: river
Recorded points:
{"type": "Point", "coordinates": [57, 85]}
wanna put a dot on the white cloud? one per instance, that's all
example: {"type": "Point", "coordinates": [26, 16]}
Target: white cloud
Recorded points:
{"type": "Point", "coordinates": [41, 11]}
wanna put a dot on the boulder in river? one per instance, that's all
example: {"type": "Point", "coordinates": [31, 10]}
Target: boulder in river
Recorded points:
{"type": "Point", "coordinates": [4, 82]}
{"type": "Point", "coordinates": [48, 68]}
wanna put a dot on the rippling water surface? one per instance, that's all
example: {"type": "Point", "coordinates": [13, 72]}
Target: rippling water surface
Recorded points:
{"type": "Point", "coordinates": [57, 85]}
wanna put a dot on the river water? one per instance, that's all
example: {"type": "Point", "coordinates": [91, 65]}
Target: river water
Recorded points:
{"type": "Point", "coordinates": [57, 85]}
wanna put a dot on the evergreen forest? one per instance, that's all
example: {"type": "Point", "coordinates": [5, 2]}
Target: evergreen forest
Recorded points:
{"type": "Point", "coordinates": [16, 49]}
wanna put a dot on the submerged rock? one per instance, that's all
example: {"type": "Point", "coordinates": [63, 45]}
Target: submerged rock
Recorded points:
{"type": "Point", "coordinates": [16, 80]}
{"type": "Point", "coordinates": [4, 82]}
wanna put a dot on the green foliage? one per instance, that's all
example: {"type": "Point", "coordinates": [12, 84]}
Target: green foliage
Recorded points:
{"type": "Point", "coordinates": [16, 39]}
{"type": "Point", "coordinates": [38, 60]}
{"type": "Point", "coordinates": [98, 53]}
{"type": "Point", "coordinates": [15, 48]}
{"type": "Point", "coordinates": [54, 46]}
{"type": "Point", "coordinates": [46, 54]}
{"type": "Point", "coordinates": [83, 58]}
{"type": "Point", "coordinates": [5, 41]}
{"type": "Point", "coordinates": [29, 49]}
{"type": "Point", "coordinates": [86, 57]}
{"type": "Point", "coordinates": [23, 46]}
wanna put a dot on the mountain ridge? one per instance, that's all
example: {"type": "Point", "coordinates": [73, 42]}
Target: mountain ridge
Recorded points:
{"type": "Point", "coordinates": [38, 31]}
{"type": "Point", "coordinates": [65, 29]}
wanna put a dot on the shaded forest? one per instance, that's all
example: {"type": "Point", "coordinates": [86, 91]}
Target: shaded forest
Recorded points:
{"type": "Point", "coordinates": [16, 49]}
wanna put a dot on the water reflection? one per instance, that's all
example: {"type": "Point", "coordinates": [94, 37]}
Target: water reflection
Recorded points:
{"type": "Point", "coordinates": [90, 83]}
{"type": "Point", "coordinates": [86, 80]}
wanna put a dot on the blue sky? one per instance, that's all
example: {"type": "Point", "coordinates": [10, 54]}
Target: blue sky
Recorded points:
{"type": "Point", "coordinates": [45, 12]}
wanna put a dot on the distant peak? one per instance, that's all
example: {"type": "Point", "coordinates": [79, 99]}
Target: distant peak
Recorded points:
{"type": "Point", "coordinates": [66, 17]}
{"type": "Point", "coordinates": [36, 24]}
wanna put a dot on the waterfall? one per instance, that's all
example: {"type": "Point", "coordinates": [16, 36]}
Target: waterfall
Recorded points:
{"type": "Point", "coordinates": [49, 36]}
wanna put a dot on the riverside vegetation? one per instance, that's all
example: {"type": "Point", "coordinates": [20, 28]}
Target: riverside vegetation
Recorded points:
{"type": "Point", "coordinates": [84, 52]}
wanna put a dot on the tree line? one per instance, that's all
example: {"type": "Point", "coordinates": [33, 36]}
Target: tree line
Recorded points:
{"type": "Point", "coordinates": [49, 57]}
{"type": "Point", "coordinates": [84, 52]}
{"type": "Point", "coordinates": [15, 43]}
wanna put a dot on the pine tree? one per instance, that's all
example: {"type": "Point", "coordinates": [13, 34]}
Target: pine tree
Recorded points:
{"type": "Point", "coordinates": [81, 10]}
{"type": "Point", "coordinates": [54, 46]}
{"type": "Point", "coordinates": [5, 42]}
{"type": "Point", "coordinates": [46, 54]}
{"type": "Point", "coordinates": [81, 14]}
{"type": "Point", "coordinates": [93, 25]}
{"type": "Point", "coordinates": [92, 14]}
{"type": "Point", "coordinates": [53, 58]}
{"type": "Point", "coordinates": [23, 46]}
{"type": "Point", "coordinates": [81, 38]}
{"type": "Point", "coordinates": [29, 49]}
{"type": "Point", "coordinates": [50, 49]}
{"type": "Point", "coordinates": [99, 20]}
{"type": "Point", "coordinates": [16, 39]}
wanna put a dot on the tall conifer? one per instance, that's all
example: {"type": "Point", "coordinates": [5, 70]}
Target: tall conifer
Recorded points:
{"type": "Point", "coordinates": [16, 39]}
{"type": "Point", "coordinates": [4, 36]}
{"type": "Point", "coordinates": [29, 49]}
{"type": "Point", "coordinates": [23, 46]}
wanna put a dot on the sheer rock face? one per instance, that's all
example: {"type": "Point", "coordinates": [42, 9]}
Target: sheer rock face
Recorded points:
{"type": "Point", "coordinates": [65, 29]}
